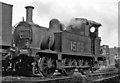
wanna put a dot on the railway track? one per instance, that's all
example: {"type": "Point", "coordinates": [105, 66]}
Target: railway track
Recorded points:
{"type": "Point", "coordinates": [58, 78]}
{"type": "Point", "coordinates": [20, 79]}
{"type": "Point", "coordinates": [107, 78]}
{"type": "Point", "coordinates": [104, 77]}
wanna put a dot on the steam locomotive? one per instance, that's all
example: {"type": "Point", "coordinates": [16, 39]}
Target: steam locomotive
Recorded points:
{"type": "Point", "coordinates": [36, 49]}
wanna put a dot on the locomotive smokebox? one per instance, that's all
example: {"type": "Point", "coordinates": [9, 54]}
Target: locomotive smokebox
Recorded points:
{"type": "Point", "coordinates": [29, 11]}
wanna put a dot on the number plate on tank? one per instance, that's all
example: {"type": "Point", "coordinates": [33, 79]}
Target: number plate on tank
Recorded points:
{"type": "Point", "coordinates": [77, 46]}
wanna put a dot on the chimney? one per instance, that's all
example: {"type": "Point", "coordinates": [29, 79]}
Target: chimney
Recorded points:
{"type": "Point", "coordinates": [29, 12]}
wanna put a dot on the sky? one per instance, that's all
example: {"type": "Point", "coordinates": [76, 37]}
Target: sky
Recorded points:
{"type": "Point", "coordinates": [101, 11]}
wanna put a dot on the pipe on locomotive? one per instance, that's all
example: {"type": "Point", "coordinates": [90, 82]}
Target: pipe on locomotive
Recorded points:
{"type": "Point", "coordinates": [29, 11]}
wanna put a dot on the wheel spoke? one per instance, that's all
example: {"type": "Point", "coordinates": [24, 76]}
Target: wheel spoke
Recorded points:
{"type": "Point", "coordinates": [45, 67]}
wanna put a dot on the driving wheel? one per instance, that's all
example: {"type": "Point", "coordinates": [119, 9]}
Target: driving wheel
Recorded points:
{"type": "Point", "coordinates": [47, 66]}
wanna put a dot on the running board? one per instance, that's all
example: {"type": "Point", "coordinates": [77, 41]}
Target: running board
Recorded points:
{"type": "Point", "coordinates": [82, 67]}
{"type": "Point", "coordinates": [69, 67]}
{"type": "Point", "coordinates": [79, 67]}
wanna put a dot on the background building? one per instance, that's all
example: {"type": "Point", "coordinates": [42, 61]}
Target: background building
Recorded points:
{"type": "Point", "coordinates": [104, 52]}
{"type": "Point", "coordinates": [114, 53]}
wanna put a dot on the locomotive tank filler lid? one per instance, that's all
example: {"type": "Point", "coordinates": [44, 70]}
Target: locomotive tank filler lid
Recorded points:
{"type": "Point", "coordinates": [29, 12]}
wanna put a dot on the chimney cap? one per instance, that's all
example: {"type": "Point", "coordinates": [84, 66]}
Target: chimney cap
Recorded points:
{"type": "Point", "coordinates": [29, 7]}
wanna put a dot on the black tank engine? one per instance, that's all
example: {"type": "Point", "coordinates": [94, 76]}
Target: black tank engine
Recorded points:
{"type": "Point", "coordinates": [37, 49]}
